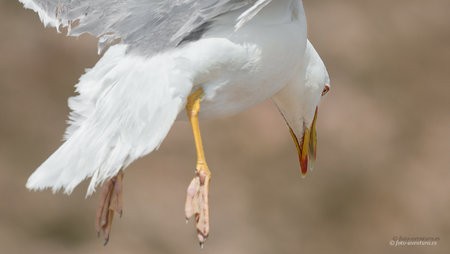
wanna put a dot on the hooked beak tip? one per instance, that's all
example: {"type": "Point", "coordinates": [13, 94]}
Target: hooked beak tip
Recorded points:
{"type": "Point", "coordinates": [307, 148]}
{"type": "Point", "coordinates": [302, 149]}
{"type": "Point", "coordinates": [304, 166]}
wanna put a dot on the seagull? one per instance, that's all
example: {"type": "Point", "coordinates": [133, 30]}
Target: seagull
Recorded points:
{"type": "Point", "coordinates": [180, 59]}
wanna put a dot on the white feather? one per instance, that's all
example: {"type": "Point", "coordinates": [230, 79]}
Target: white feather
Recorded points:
{"type": "Point", "coordinates": [44, 16]}
{"type": "Point", "coordinates": [298, 100]}
{"type": "Point", "coordinates": [128, 102]}
{"type": "Point", "coordinates": [125, 108]}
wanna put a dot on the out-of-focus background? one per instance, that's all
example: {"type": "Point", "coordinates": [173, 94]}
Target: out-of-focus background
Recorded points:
{"type": "Point", "coordinates": [383, 166]}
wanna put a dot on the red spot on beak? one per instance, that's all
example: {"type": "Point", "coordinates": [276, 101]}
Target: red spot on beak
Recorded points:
{"type": "Point", "coordinates": [304, 165]}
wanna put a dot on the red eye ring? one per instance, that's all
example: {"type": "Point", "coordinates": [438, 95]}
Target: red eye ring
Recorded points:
{"type": "Point", "coordinates": [326, 89]}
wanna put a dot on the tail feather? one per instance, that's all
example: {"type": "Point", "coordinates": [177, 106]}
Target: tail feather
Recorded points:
{"type": "Point", "coordinates": [125, 108]}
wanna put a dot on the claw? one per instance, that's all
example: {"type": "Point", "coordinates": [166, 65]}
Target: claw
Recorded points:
{"type": "Point", "coordinates": [111, 201]}
{"type": "Point", "coordinates": [191, 206]}
{"type": "Point", "coordinates": [197, 204]}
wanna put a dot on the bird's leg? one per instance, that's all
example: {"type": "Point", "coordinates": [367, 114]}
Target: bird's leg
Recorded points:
{"type": "Point", "coordinates": [111, 201]}
{"type": "Point", "coordinates": [197, 192]}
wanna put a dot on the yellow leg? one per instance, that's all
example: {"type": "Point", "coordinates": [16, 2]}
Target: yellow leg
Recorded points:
{"type": "Point", "coordinates": [192, 109]}
{"type": "Point", "coordinates": [197, 192]}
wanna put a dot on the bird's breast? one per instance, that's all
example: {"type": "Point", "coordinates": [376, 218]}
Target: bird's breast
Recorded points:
{"type": "Point", "coordinates": [274, 52]}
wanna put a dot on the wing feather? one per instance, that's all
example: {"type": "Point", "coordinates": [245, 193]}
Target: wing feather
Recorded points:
{"type": "Point", "coordinates": [126, 106]}
{"type": "Point", "coordinates": [147, 26]}
{"type": "Point", "coordinates": [123, 117]}
{"type": "Point", "coordinates": [251, 13]}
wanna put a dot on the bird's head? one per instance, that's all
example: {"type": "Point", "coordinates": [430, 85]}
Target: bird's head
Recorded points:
{"type": "Point", "coordinates": [298, 103]}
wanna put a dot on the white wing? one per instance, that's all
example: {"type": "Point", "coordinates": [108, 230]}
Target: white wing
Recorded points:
{"type": "Point", "coordinates": [147, 26]}
{"type": "Point", "coordinates": [125, 108]}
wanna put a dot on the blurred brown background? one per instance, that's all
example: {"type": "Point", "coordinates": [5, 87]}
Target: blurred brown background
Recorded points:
{"type": "Point", "coordinates": [383, 166]}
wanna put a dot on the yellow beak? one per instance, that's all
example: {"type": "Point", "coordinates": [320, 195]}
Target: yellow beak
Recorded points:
{"type": "Point", "coordinates": [307, 148]}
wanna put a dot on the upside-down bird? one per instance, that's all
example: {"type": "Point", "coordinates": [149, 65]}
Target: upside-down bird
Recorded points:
{"type": "Point", "coordinates": [163, 59]}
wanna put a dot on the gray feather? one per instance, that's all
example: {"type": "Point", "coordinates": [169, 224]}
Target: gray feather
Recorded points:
{"type": "Point", "coordinates": [147, 26]}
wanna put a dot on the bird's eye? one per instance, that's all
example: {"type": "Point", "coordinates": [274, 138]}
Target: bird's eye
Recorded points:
{"type": "Point", "coordinates": [326, 89]}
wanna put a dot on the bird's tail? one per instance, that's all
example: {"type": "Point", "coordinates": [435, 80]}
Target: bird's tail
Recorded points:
{"type": "Point", "coordinates": [125, 108]}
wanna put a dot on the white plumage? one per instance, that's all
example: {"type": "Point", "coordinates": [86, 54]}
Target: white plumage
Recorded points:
{"type": "Point", "coordinates": [225, 55]}
{"type": "Point", "coordinates": [128, 101]}
{"type": "Point", "coordinates": [123, 112]}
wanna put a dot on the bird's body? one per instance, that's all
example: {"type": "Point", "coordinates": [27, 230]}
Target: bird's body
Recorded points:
{"type": "Point", "coordinates": [226, 56]}
{"type": "Point", "coordinates": [255, 58]}
{"type": "Point", "coordinates": [235, 68]}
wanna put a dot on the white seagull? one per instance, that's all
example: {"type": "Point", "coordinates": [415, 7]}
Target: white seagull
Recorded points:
{"type": "Point", "coordinates": [208, 58]}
